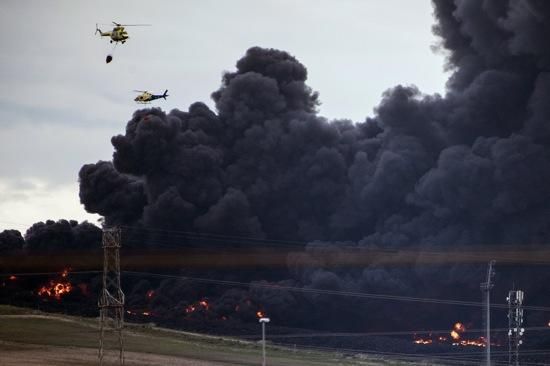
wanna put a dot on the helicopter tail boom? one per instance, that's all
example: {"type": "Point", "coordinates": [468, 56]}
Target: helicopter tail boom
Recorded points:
{"type": "Point", "coordinates": [102, 34]}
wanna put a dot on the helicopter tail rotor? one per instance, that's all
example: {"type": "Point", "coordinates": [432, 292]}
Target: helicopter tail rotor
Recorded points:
{"type": "Point", "coordinates": [165, 94]}
{"type": "Point", "coordinates": [97, 29]}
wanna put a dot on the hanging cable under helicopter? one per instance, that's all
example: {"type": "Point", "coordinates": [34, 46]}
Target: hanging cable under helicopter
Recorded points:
{"type": "Point", "coordinates": [109, 57]}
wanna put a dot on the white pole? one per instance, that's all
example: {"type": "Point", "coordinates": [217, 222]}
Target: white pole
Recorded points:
{"type": "Point", "coordinates": [263, 321]}
{"type": "Point", "coordinates": [488, 330]}
{"type": "Point", "coordinates": [263, 344]}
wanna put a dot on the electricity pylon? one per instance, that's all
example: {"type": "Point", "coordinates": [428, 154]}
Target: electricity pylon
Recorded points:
{"type": "Point", "coordinates": [111, 299]}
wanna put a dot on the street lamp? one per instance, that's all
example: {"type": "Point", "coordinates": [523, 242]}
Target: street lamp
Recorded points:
{"type": "Point", "coordinates": [263, 321]}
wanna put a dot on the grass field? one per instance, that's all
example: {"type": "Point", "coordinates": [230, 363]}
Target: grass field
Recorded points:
{"type": "Point", "coordinates": [33, 338]}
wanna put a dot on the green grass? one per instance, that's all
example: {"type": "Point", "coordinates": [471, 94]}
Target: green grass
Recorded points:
{"type": "Point", "coordinates": [23, 326]}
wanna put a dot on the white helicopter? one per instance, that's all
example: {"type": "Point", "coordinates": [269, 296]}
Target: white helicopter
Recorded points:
{"type": "Point", "coordinates": [145, 97]}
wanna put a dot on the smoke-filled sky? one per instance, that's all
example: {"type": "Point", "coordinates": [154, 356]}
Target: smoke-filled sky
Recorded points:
{"type": "Point", "coordinates": [60, 103]}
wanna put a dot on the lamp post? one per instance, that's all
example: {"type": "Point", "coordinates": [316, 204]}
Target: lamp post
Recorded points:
{"type": "Point", "coordinates": [263, 321]}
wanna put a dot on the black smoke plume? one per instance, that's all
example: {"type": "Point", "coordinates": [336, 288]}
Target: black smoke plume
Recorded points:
{"type": "Point", "coordinates": [470, 168]}
{"type": "Point", "coordinates": [11, 241]}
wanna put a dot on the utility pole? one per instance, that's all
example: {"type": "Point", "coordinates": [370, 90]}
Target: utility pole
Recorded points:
{"type": "Point", "coordinates": [111, 299]}
{"type": "Point", "coordinates": [515, 321]}
{"type": "Point", "coordinates": [486, 292]}
{"type": "Point", "coordinates": [263, 321]}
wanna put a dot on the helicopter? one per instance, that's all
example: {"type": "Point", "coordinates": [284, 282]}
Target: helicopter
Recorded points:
{"type": "Point", "coordinates": [118, 34]}
{"type": "Point", "coordinates": [145, 97]}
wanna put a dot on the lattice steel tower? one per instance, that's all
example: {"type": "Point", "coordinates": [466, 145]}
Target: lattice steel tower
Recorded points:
{"type": "Point", "coordinates": [515, 321]}
{"type": "Point", "coordinates": [111, 299]}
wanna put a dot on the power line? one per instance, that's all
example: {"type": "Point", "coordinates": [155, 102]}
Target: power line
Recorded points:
{"type": "Point", "coordinates": [297, 289]}
{"type": "Point", "coordinates": [21, 274]}
{"type": "Point", "coordinates": [383, 333]}
{"type": "Point", "coordinates": [331, 292]}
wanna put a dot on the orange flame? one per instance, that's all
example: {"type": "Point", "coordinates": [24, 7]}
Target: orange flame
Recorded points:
{"type": "Point", "coordinates": [260, 314]}
{"type": "Point", "coordinates": [455, 335]}
{"type": "Point", "coordinates": [459, 327]}
{"type": "Point", "coordinates": [13, 278]}
{"type": "Point", "coordinates": [423, 341]}
{"type": "Point", "coordinates": [473, 342]}
{"type": "Point", "coordinates": [456, 338]}
{"type": "Point", "coordinates": [55, 289]}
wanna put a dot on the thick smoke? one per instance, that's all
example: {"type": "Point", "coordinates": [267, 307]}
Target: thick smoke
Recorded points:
{"type": "Point", "coordinates": [11, 241]}
{"type": "Point", "coordinates": [468, 168]}
{"type": "Point", "coordinates": [62, 235]}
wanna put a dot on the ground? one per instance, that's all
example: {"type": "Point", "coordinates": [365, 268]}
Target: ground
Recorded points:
{"type": "Point", "coordinates": [31, 338]}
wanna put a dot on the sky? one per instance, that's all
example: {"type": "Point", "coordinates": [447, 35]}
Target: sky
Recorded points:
{"type": "Point", "coordinates": [60, 103]}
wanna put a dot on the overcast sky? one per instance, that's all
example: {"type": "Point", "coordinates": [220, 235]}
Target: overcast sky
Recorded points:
{"type": "Point", "coordinates": [60, 103]}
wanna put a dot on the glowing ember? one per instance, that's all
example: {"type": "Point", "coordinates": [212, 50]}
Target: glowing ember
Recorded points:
{"type": "Point", "coordinates": [150, 294]}
{"type": "Point", "coordinates": [472, 342]}
{"type": "Point", "coordinates": [423, 341]}
{"type": "Point", "coordinates": [190, 309]}
{"type": "Point", "coordinates": [193, 307]}
{"type": "Point", "coordinates": [13, 278]}
{"type": "Point", "coordinates": [55, 289]}
{"type": "Point", "coordinates": [456, 338]}
{"type": "Point", "coordinates": [65, 273]}
{"type": "Point", "coordinates": [144, 313]}
{"type": "Point", "coordinates": [260, 314]}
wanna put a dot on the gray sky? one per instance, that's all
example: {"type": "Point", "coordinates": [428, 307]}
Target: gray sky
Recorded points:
{"type": "Point", "coordinates": [60, 103]}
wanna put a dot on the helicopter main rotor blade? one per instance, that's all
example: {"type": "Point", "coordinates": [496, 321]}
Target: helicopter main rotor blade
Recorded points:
{"type": "Point", "coordinates": [131, 25]}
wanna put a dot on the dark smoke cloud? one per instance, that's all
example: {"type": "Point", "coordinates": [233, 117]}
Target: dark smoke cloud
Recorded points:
{"type": "Point", "coordinates": [468, 168]}
{"type": "Point", "coordinates": [11, 241]}
{"type": "Point", "coordinates": [62, 235]}
{"type": "Point", "coordinates": [117, 197]}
